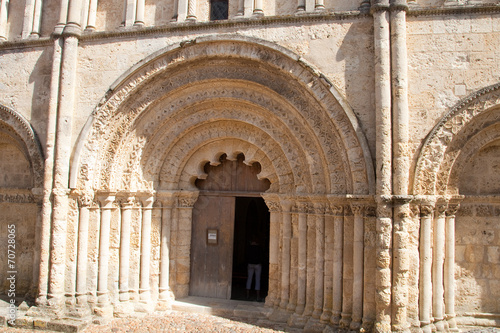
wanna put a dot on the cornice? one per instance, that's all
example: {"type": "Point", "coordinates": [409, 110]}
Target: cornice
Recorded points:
{"type": "Point", "coordinates": [454, 10]}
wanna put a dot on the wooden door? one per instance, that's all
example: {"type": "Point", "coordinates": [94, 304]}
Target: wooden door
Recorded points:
{"type": "Point", "coordinates": [211, 264]}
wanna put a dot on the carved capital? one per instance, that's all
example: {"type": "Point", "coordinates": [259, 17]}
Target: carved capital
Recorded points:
{"type": "Point", "coordinates": [85, 199]}
{"type": "Point", "coordinates": [272, 202]}
{"type": "Point", "coordinates": [441, 207]}
{"type": "Point", "coordinates": [187, 199]}
{"type": "Point", "coordinates": [452, 209]}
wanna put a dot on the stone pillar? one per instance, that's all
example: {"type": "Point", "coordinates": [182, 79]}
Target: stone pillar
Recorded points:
{"type": "Point", "coordinates": [301, 6]}
{"type": "Point", "coordinates": [257, 8]}
{"type": "Point", "coordinates": [91, 20]}
{"type": "Point", "coordinates": [139, 14]}
{"type": "Point", "coordinates": [126, 204]}
{"type": "Point", "coordinates": [37, 249]}
{"type": "Point", "coordinates": [63, 16]}
{"type": "Point", "coordinates": [328, 266]}
{"type": "Point", "coordinates": [401, 164]}
{"type": "Point", "coordinates": [32, 18]}
{"type": "Point", "coordinates": [84, 202]}
{"type": "Point", "coordinates": [384, 259]}
{"type": "Point", "coordinates": [130, 11]}
{"type": "Point", "coordinates": [186, 201]}
{"type": "Point", "coordinates": [426, 209]}
{"type": "Point", "coordinates": [319, 281]}
{"type": "Point", "coordinates": [437, 266]}
{"type": "Point", "coordinates": [310, 261]}
{"type": "Point", "coordinates": [401, 263]}
{"type": "Point", "coordinates": [166, 296]}
{"type": "Point", "coordinates": [191, 10]}
{"type": "Point", "coordinates": [286, 214]}
{"type": "Point", "coordinates": [370, 262]}
{"type": "Point", "coordinates": [48, 174]}
{"type": "Point", "coordinates": [104, 307]}
{"type": "Point", "coordinates": [272, 202]}
{"type": "Point", "coordinates": [4, 11]}
{"type": "Point", "coordinates": [144, 286]}
{"type": "Point", "coordinates": [302, 270]}
{"type": "Point", "coordinates": [62, 155]}
{"type": "Point", "coordinates": [338, 242]}
{"type": "Point", "coordinates": [357, 292]}
{"type": "Point", "coordinates": [74, 24]}
{"type": "Point", "coordinates": [319, 5]}
{"type": "Point", "coordinates": [449, 266]}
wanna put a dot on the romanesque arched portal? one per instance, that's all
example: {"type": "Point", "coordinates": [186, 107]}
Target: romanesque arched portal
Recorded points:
{"type": "Point", "coordinates": [186, 106]}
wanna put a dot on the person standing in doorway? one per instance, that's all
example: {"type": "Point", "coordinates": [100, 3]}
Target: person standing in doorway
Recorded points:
{"type": "Point", "coordinates": [254, 260]}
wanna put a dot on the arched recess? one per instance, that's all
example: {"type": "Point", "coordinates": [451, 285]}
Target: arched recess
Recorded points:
{"type": "Point", "coordinates": [18, 131]}
{"type": "Point", "coordinates": [458, 164]}
{"type": "Point", "coordinates": [190, 103]}
{"type": "Point", "coordinates": [187, 90]}
{"type": "Point", "coordinates": [21, 184]}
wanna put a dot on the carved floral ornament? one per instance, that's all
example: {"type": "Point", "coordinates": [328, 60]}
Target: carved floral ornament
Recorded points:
{"type": "Point", "coordinates": [446, 141]}
{"type": "Point", "coordinates": [17, 127]}
{"type": "Point", "coordinates": [153, 130]}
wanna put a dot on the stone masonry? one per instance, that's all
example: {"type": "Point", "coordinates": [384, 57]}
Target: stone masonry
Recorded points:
{"type": "Point", "coordinates": [376, 124]}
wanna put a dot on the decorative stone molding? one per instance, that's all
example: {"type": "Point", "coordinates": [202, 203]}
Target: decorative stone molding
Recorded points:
{"type": "Point", "coordinates": [432, 170]}
{"type": "Point", "coordinates": [337, 138]}
{"type": "Point", "coordinates": [16, 126]}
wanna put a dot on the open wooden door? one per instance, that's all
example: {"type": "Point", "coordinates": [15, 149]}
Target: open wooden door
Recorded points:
{"type": "Point", "coordinates": [212, 246]}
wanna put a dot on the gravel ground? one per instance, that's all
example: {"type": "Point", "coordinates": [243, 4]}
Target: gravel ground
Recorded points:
{"type": "Point", "coordinates": [173, 321]}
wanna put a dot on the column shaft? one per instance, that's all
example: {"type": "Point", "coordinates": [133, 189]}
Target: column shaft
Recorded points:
{"type": "Point", "coordinates": [449, 267]}
{"type": "Point", "coordinates": [319, 280]}
{"type": "Point", "coordinates": [83, 239]}
{"type": "Point", "coordinates": [4, 10]}
{"type": "Point", "coordinates": [92, 16]}
{"type": "Point", "coordinates": [126, 219]}
{"type": "Point", "coordinates": [130, 11]}
{"type": "Point", "coordinates": [37, 19]}
{"type": "Point", "coordinates": [164, 250]}
{"type": "Point", "coordinates": [61, 171]}
{"type": "Point", "coordinates": [257, 9]}
{"type": "Point", "coordinates": [383, 271]}
{"type": "Point", "coordinates": [144, 288]}
{"type": "Point", "coordinates": [28, 18]}
{"type": "Point", "coordinates": [302, 261]}
{"type": "Point", "coordinates": [63, 17]}
{"type": "Point", "coordinates": [425, 267]}
{"type": "Point", "coordinates": [48, 173]}
{"type": "Point", "coordinates": [338, 241]}
{"type": "Point", "coordinates": [319, 5]}
{"type": "Point", "coordinates": [285, 253]}
{"type": "Point", "coordinates": [437, 267]}
{"type": "Point", "coordinates": [139, 15]}
{"type": "Point", "coordinates": [102, 280]}
{"type": "Point", "coordinates": [310, 263]}
{"type": "Point", "coordinates": [191, 12]}
{"type": "Point", "coordinates": [301, 5]}
{"type": "Point", "coordinates": [357, 307]}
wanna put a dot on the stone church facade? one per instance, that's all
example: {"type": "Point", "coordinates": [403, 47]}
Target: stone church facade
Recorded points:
{"type": "Point", "coordinates": [132, 130]}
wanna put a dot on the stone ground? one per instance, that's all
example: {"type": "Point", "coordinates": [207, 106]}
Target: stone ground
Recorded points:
{"type": "Point", "coordinates": [175, 321]}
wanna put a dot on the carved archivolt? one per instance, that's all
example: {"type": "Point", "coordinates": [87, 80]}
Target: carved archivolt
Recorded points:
{"type": "Point", "coordinates": [153, 129]}
{"type": "Point", "coordinates": [19, 130]}
{"type": "Point", "coordinates": [448, 139]}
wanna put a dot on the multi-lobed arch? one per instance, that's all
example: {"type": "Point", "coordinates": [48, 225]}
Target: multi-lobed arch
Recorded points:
{"type": "Point", "coordinates": [185, 104]}
{"type": "Point", "coordinates": [469, 126]}
{"type": "Point", "coordinates": [18, 131]}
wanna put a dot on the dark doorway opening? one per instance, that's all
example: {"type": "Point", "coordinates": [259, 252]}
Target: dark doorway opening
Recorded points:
{"type": "Point", "coordinates": [251, 223]}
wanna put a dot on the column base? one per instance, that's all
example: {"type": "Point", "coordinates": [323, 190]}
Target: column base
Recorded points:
{"type": "Point", "coordinates": [345, 320]}
{"type": "Point", "coordinates": [335, 319]}
{"type": "Point", "coordinates": [279, 315]}
{"type": "Point", "coordinates": [104, 310]}
{"type": "Point", "coordinates": [123, 309]}
{"type": "Point", "coordinates": [325, 317]}
{"type": "Point", "coordinates": [144, 306]}
{"type": "Point", "coordinates": [297, 321]}
{"type": "Point", "coordinates": [314, 325]}
{"type": "Point", "coordinates": [355, 325]}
